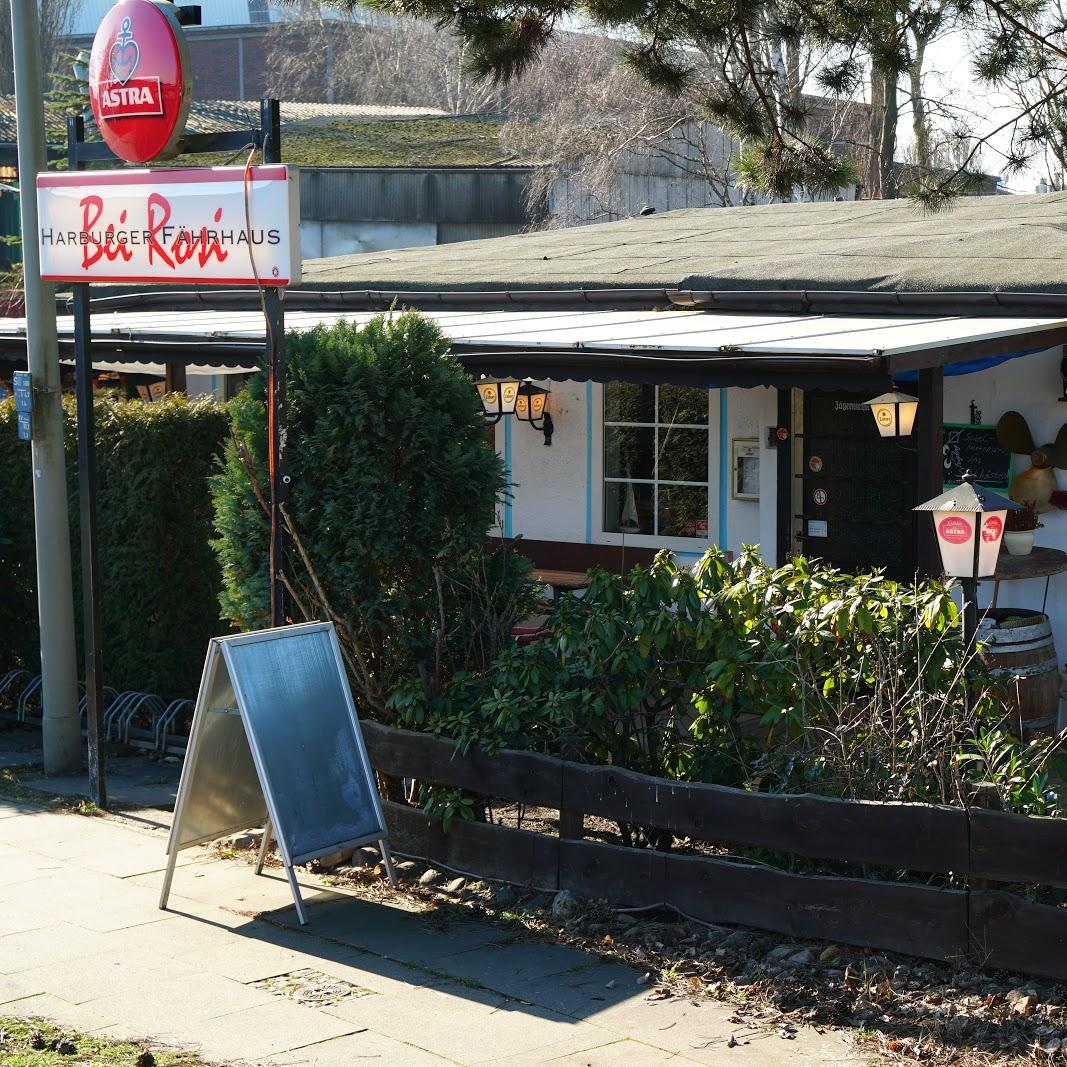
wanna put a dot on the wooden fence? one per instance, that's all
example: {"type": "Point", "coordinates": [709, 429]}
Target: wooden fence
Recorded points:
{"type": "Point", "coordinates": [989, 926]}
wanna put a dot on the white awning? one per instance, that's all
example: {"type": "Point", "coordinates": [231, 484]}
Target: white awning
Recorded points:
{"type": "Point", "coordinates": [705, 342]}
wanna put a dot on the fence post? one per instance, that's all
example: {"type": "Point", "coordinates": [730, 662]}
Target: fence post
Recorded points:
{"type": "Point", "coordinates": [571, 823]}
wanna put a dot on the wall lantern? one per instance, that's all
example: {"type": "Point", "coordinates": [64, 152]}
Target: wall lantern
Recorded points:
{"type": "Point", "coordinates": [498, 397]}
{"type": "Point", "coordinates": [894, 413]}
{"type": "Point", "coordinates": [969, 523]}
{"type": "Point", "coordinates": [530, 407]}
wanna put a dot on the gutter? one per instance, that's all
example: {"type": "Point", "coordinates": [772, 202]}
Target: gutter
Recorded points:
{"type": "Point", "coordinates": [797, 301]}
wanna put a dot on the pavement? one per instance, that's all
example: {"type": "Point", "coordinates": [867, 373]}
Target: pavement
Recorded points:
{"type": "Point", "coordinates": [229, 972]}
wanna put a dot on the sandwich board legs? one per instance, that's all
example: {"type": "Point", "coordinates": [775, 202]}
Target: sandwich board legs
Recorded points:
{"type": "Point", "coordinates": [168, 877]}
{"type": "Point", "coordinates": [387, 857]}
{"type": "Point", "coordinates": [264, 846]}
{"type": "Point", "coordinates": [297, 899]}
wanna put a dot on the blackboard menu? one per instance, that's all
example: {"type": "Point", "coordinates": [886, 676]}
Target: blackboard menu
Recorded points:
{"type": "Point", "coordinates": [975, 449]}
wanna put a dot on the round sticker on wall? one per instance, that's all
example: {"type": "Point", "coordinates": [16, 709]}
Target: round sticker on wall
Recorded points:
{"type": "Point", "coordinates": [819, 496]}
{"type": "Point", "coordinates": [992, 528]}
{"type": "Point", "coordinates": [781, 433]}
{"type": "Point", "coordinates": [815, 464]}
{"type": "Point", "coordinates": [140, 83]}
{"type": "Point", "coordinates": [954, 529]}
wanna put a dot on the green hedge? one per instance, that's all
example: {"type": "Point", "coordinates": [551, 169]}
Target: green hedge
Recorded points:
{"type": "Point", "coordinates": [158, 578]}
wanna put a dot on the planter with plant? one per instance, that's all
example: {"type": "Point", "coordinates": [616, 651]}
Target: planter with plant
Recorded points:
{"type": "Point", "coordinates": [1019, 529]}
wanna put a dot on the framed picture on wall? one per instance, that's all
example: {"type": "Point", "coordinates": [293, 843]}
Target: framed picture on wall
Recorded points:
{"type": "Point", "coordinates": [744, 482]}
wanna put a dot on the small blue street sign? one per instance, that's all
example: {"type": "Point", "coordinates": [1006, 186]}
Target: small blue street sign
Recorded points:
{"type": "Point", "coordinates": [25, 425]}
{"type": "Point", "coordinates": [23, 391]}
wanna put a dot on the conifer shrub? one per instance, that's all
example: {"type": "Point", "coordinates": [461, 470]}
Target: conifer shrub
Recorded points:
{"type": "Point", "coordinates": [158, 581]}
{"type": "Point", "coordinates": [393, 491]}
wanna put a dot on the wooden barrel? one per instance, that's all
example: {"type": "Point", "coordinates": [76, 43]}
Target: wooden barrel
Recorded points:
{"type": "Point", "coordinates": [1018, 648]}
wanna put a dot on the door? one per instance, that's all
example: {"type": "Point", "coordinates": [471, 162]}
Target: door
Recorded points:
{"type": "Point", "coordinates": [854, 490]}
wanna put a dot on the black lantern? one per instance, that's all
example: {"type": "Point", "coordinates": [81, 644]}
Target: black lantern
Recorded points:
{"type": "Point", "coordinates": [498, 397]}
{"type": "Point", "coordinates": [530, 407]}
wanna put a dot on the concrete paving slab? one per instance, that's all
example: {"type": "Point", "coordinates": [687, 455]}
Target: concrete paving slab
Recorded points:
{"type": "Point", "coordinates": [55, 944]}
{"type": "Point", "coordinates": [471, 994]}
{"type": "Point", "coordinates": [357, 1048]}
{"type": "Point", "coordinates": [16, 989]}
{"type": "Point", "coordinates": [132, 781]}
{"type": "Point", "coordinates": [472, 1026]}
{"type": "Point", "coordinates": [256, 1033]}
{"type": "Point", "coordinates": [59, 1011]}
{"type": "Point", "coordinates": [517, 964]}
{"type": "Point", "coordinates": [108, 974]}
{"type": "Point", "coordinates": [624, 1053]}
{"type": "Point", "coordinates": [399, 934]}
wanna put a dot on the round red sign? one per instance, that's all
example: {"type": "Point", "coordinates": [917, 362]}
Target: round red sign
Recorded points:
{"type": "Point", "coordinates": [954, 530]}
{"type": "Point", "coordinates": [140, 84]}
{"type": "Point", "coordinates": [992, 528]}
{"type": "Point", "coordinates": [820, 497]}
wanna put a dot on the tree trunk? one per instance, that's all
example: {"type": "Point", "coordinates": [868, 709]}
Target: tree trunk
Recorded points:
{"type": "Point", "coordinates": [888, 149]}
{"type": "Point", "coordinates": [919, 124]}
{"type": "Point", "coordinates": [873, 177]}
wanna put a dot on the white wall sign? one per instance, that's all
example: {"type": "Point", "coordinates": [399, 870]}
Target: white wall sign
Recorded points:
{"type": "Point", "coordinates": [170, 226]}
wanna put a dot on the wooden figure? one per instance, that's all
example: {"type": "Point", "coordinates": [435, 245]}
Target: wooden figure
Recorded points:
{"type": "Point", "coordinates": [1038, 482]}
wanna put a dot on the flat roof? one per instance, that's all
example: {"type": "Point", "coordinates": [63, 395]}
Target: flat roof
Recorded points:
{"type": "Point", "coordinates": [687, 346]}
{"type": "Point", "coordinates": [987, 243]}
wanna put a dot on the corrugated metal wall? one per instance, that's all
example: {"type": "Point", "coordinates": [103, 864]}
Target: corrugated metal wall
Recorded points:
{"type": "Point", "coordinates": [414, 194]}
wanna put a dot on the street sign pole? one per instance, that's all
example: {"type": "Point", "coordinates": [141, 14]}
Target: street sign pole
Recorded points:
{"type": "Point", "coordinates": [83, 359]}
{"type": "Point", "coordinates": [61, 724]}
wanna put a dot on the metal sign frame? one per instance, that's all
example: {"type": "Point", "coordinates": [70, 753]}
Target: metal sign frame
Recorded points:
{"type": "Point", "coordinates": [80, 153]}
{"type": "Point", "coordinates": [219, 656]}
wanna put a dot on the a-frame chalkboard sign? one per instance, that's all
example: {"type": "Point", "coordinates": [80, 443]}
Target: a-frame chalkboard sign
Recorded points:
{"type": "Point", "coordinates": [275, 742]}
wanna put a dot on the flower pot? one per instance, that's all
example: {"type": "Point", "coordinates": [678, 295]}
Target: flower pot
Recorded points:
{"type": "Point", "coordinates": [1018, 542]}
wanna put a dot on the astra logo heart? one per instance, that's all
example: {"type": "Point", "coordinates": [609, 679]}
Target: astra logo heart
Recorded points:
{"type": "Point", "coordinates": [127, 97]}
{"type": "Point", "coordinates": [124, 55]}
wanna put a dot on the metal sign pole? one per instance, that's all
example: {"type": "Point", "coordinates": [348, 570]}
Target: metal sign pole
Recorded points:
{"type": "Point", "coordinates": [270, 124]}
{"type": "Point", "coordinates": [83, 359]}
{"type": "Point", "coordinates": [61, 728]}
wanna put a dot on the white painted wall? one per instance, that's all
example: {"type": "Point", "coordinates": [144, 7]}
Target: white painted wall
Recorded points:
{"type": "Point", "coordinates": [558, 491]}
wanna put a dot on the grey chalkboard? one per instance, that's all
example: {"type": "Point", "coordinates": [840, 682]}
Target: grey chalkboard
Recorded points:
{"type": "Point", "coordinates": [975, 449]}
{"type": "Point", "coordinates": [302, 726]}
{"type": "Point", "coordinates": [275, 742]}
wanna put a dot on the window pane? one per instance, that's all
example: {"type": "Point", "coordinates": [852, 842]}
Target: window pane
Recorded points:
{"type": "Point", "coordinates": [626, 402]}
{"type": "Point", "coordinates": [678, 403]}
{"type": "Point", "coordinates": [628, 452]}
{"type": "Point", "coordinates": [683, 455]}
{"type": "Point", "coordinates": [683, 511]}
{"type": "Point", "coordinates": [628, 508]}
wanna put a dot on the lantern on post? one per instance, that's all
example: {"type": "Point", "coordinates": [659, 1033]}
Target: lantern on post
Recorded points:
{"type": "Point", "coordinates": [894, 413]}
{"type": "Point", "coordinates": [498, 397]}
{"type": "Point", "coordinates": [530, 407]}
{"type": "Point", "coordinates": [969, 522]}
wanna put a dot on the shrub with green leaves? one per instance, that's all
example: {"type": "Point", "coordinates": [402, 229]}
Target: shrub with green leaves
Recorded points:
{"type": "Point", "coordinates": [158, 579]}
{"type": "Point", "coordinates": [789, 679]}
{"type": "Point", "coordinates": [394, 489]}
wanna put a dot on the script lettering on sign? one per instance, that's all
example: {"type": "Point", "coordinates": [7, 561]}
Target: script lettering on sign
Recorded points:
{"type": "Point", "coordinates": [170, 226]}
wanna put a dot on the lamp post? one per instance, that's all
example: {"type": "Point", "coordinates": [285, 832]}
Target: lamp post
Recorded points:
{"type": "Point", "coordinates": [969, 522]}
{"type": "Point", "coordinates": [894, 413]}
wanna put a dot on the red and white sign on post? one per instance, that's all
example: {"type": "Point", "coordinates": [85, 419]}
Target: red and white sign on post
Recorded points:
{"type": "Point", "coordinates": [140, 84]}
{"type": "Point", "coordinates": [170, 226]}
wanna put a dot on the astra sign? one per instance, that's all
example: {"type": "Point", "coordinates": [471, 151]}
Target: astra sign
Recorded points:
{"type": "Point", "coordinates": [139, 81]}
{"type": "Point", "coordinates": [170, 226]}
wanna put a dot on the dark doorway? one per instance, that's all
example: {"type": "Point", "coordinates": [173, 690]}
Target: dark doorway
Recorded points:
{"type": "Point", "coordinates": [854, 490]}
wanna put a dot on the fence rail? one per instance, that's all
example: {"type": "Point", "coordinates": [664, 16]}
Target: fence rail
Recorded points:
{"type": "Point", "coordinates": [990, 926]}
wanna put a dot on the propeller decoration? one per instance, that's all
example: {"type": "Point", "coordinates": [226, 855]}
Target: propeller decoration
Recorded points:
{"type": "Point", "coordinates": [1038, 482]}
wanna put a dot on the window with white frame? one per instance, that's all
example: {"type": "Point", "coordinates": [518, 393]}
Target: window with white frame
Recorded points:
{"type": "Point", "coordinates": [656, 460]}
